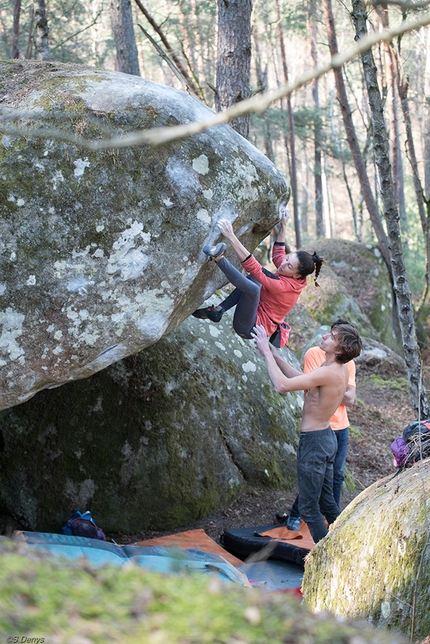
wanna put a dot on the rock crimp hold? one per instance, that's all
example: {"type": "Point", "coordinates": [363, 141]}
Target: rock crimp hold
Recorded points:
{"type": "Point", "coordinates": [101, 250]}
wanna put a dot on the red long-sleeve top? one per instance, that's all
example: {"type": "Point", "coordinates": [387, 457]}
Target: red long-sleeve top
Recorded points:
{"type": "Point", "coordinates": [278, 294]}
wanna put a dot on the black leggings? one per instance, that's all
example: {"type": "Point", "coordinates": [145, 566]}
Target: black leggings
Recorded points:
{"type": "Point", "coordinates": [246, 298]}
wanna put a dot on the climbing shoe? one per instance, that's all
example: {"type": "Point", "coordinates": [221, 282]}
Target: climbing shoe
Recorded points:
{"type": "Point", "coordinates": [215, 252]}
{"type": "Point", "coordinates": [209, 313]}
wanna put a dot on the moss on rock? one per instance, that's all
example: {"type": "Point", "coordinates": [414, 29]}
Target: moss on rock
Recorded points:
{"type": "Point", "coordinates": [73, 601]}
{"type": "Point", "coordinates": [157, 440]}
{"type": "Point", "coordinates": [375, 562]}
{"type": "Point", "coordinates": [101, 250]}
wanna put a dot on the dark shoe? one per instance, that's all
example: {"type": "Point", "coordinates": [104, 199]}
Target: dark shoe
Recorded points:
{"type": "Point", "coordinates": [280, 518]}
{"type": "Point", "coordinates": [215, 252]}
{"type": "Point", "coordinates": [209, 313]}
{"type": "Point", "coordinates": [292, 523]}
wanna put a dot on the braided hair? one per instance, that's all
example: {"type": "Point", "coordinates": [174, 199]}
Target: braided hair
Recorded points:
{"type": "Point", "coordinates": [308, 264]}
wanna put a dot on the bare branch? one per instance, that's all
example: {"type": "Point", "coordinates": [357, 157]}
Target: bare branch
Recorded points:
{"type": "Point", "coordinates": [403, 4]}
{"type": "Point", "coordinates": [257, 104]}
{"type": "Point", "coordinates": [189, 82]}
{"type": "Point", "coordinates": [165, 57]}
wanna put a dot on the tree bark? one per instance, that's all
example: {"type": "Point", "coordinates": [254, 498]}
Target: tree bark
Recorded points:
{"type": "Point", "coordinates": [233, 58]}
{"type": "Point", "coordinates": [292, 139]}
{"type": "Point", "coordinates": [352, 139]}
{"type": "Point", "coordinates": [41, 29]}
{"type": "Point", "coordinates": [123, 33]}
{"type": "Point", "coordinates": [401, 285]}
{"type": "Point", "coordinates": [15, 37]}
{"type": "Point", "coordinates": [392, 107]}
{"type": "Point", "coordinates": [319, 220]}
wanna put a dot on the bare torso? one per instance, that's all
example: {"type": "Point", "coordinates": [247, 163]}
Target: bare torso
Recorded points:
{"type": "Point", "coordinates": [321, 402]}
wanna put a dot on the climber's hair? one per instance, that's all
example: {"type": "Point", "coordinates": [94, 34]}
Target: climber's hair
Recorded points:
{"type": "Point", "coordinates": [308, 264]}
{"type": "Point", "coordinates": [349, 344]}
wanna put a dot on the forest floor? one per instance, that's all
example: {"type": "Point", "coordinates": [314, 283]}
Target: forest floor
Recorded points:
{"type": "Point", "coordinates": [383, 408]}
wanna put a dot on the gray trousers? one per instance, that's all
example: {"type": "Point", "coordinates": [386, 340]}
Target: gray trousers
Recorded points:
{"type": "Point", "coordinates": [315, 459]}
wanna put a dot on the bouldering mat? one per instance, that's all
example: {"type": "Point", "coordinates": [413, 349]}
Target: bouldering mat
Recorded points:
{"type": "Point", "coordinates": [273, 575]}
{"type": "Point", "coordinates": [197, 539]}
{"type": "Point", "coordinates": [156, 557]}
{"type": "Point", "coordinates": [269, 542]}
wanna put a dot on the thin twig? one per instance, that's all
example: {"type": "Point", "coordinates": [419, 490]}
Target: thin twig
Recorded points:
{"type": "Point", "coordinates": [165, 57]}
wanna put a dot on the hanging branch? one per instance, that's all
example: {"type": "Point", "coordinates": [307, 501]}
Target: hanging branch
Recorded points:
{"type": "Point", "coordinates": [189, 82]}
{"type": "Point", "coordinates": [257, 104]}
{"type": "Point", "coordinates": [165, 57]}
{"type": "Point", "coordinates": [420, 4]}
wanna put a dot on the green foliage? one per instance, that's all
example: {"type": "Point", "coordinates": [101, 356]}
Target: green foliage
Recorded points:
{"type": "Point", "coordinates": [350, 482]}
{"type": "Point", "coordinates": [354, 432]}
{"type": "Point", "coordinates": [73, 601]}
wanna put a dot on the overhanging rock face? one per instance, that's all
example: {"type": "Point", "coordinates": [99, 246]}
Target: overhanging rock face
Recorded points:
{"type": "Point", "coordinates": [101, 251]}
{"type": "Point", "coordinates": [156, 440]}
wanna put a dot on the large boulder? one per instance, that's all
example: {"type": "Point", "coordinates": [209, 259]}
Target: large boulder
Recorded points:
{"type": "Point", "coordinates": [157, 440]}
{"type": "Point", "coordinates": [101, 250]}
{"type": "Point", "coordinates": [375, 562]}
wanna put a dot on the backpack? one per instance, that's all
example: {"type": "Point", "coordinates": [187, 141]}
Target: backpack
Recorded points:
{"type": "Point", "coordinates": [83, 525]}
{"type": "Point", "coordinates": [412, 445]}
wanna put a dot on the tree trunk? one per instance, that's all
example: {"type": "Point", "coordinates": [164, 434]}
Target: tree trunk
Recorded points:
{"type": "Point", "coordinates": [41, 29]}
{"type": "Point", "coordinates": [422, 201]}
{"type": "Point", "coordinates": [401, 285]}
{"type": "Point", "coordinates": [15, 38]}
{"type": "Point", "coordinates": [123, 33]}
{"type": "Point", "coordinates": [426, 133]}
{"type": "Point", "coordinates": [392, 107]}
{"type": "Point", "coordinates": [341, 155]}
{"type": "Point", "coordinates": [304, 206]}
{"type": "Point", "coordinates": [262, 86]}
{"type": "Point", "coordinates": [319, 221]}
{"type": "Point", "coordinates": [351, 136]}
{"type": "Point", "coordinates": [292, 140]}
{"type": "Point", "coordinates": [233, 58]}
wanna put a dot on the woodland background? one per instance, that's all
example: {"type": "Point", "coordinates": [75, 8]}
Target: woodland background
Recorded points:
{"type": "Point", "coordinates": [286, 36]}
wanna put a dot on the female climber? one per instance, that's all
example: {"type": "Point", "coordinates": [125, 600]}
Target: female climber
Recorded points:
{"type": "Point", "coordinates": [261, 297]}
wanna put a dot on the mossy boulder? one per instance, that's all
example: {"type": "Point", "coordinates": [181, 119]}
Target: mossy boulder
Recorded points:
{"type": "Point", "coordinates": [157, 440]}
{"type": "Point", "coordinates": [332, 300]}
{"type": "Point", "coordinates": [101, 249]}
{"type": "Point", "coordinates": [375, 562]}
{"type": "Point", "coordinates": [357, 287]}
{"type": "Point", "coordinates": [61, 601]}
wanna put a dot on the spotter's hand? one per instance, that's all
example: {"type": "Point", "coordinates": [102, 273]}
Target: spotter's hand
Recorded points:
{"type": "Point", "coordinates": [260, 339]}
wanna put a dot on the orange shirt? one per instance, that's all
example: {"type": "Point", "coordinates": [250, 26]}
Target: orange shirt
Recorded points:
{"type": "Point", "coordinates": [313, 359]}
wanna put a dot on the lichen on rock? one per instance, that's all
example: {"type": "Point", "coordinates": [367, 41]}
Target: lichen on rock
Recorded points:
{"type": "Point", "coordinates": [101, 250]}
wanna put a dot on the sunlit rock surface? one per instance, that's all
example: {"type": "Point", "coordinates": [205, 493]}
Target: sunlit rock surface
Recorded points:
{"type": "Point", "coordinates": [375, 562]}
{"type": "Point", "coordinates": [100, 252]}
{"type": "Point", "coordinates": [156, 440]}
